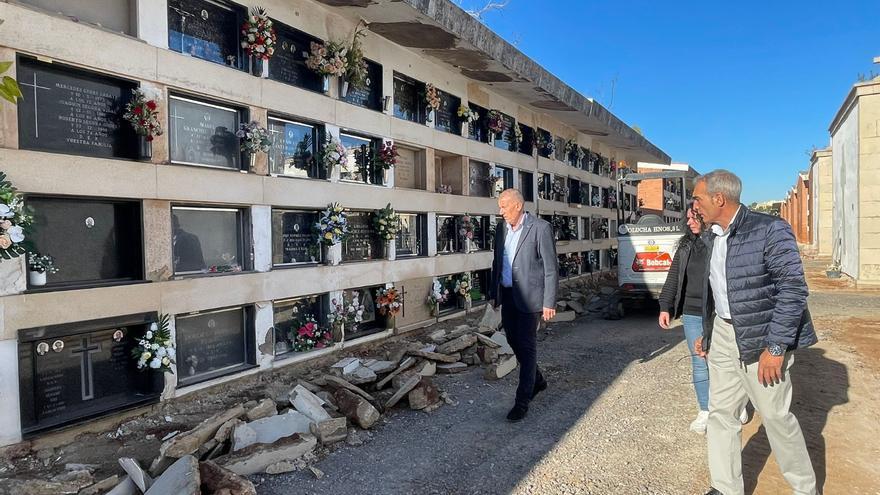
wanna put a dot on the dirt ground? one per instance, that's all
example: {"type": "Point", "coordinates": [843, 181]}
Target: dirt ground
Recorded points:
{"type": "Point", "coordinates": [614, 420]}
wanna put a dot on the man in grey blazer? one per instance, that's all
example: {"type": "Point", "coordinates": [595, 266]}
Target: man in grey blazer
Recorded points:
{"type": "Point", "coordinates": [524, 280]}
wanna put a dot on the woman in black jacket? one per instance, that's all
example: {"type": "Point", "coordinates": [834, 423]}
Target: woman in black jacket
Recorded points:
{"type": "Point", "coordinates": [682, 296]}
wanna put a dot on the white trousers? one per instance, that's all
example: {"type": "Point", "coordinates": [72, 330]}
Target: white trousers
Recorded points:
{"type": "Point", "coordinates": [731, 385]}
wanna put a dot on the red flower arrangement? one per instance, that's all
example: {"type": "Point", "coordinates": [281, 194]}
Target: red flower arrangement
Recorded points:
{"type": "Point", "coordinates": [387, 155]}
{"type": "Point", "coordinates": [142, 114]}
{"type": "Point", "coordinates": [307, 334]}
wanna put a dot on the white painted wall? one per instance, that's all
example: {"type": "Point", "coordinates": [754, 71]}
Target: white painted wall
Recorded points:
{"type": "Point", "coordinates": [845, 165]}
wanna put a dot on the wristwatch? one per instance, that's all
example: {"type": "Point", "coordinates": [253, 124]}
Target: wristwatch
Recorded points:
{"type": "Point", "coordinates": [776, 349]}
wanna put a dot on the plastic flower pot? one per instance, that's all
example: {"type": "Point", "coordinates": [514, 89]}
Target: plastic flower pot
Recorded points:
{"type": "Point", "coordinates": [325, 83]}
{"type": "Point", "coordinates": [332, 254]}
{"type": "Point", "coordinates": [145, 148]}
{"type": "Point", "coordinates": [36, 278]}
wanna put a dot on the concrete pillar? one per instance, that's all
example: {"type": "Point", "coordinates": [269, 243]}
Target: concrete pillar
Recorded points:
{"type": "Point", "coordinates": [152, 22]}
{"type": "Point", "coordinates": [261, 230]}
{"type": "Point", "coordinates": [8, 112]}
{"type": "Point", "coordinates": [264, 334]}
{"type": "Point", "coordinates": [158, 256]}
{"type": "Point", "coordinates": [10, 416]}
{"type": "Point", "coordinates": [432, 233]}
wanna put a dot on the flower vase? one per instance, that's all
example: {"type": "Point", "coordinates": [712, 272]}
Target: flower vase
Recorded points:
{"type": "Point", "coordinates": [390, 322]}
{"type": "Point", "coordinates": [491, 138]}
{"type": "Point", "coordinates": [466, 245]}
{"type": "Point", "coordinates": [145, 148]}
{"type": "Point", "coordinates": [264, 68]}
{"type": "Point", "coordinates": [325, 83]}
{"type": "Point", "coordinates": [36, 278]}
{"type": "Point", "coordinates": [332, 254]}
{"type": "Point", "coordinates": [150, 382]}
{"type": "Point", "coordinates": [430, 116]}
{"type": "Point", "coordinates": [252, 158]}
{"type": "Point", "coordinates": [343, 89]}
{"type": "Point", "coordinates": [390, 251]}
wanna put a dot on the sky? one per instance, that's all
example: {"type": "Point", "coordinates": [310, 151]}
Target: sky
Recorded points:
{"type": "Point", "coordinates": [747, 86]}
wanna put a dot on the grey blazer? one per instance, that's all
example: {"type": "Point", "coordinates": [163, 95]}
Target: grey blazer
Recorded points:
{"type": "Point", "coordinates": [535, 267]}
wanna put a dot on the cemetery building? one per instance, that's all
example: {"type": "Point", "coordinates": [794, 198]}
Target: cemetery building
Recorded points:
{"type": "Point", "coordinates": [222, 239]}
{"type": "Point", "coordinates": [821, 201]}
{"type": "Point", "coordinates": [855, 181]}
{"type": "Point", "coordinates": [796, 208]}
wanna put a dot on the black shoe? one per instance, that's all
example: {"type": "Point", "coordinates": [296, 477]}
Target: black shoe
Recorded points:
{"type": "Point", "coordinates": [517, 413]}
{"type": "Point", "coordinates": [539, 387]}
{"type": "Point", "coordinates": [713, 491]}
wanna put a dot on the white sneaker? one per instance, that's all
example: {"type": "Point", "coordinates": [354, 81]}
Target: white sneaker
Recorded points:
{"type": "Point", "coordinates": [744, 416]}
{"type": "Point", "coordinates": [699, 424]}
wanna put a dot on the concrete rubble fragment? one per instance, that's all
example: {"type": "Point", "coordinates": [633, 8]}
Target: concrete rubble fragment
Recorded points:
{"type": "Point", "coordinates": [346, 365]}
{"type": "Point", "coordinates": [256, 458]}
{"type": "Point", "coordinates": [434, 356]}
{"type": "Point", "coordinates": [138, 476]}
{"type": "Point", "coordinates": [500, 369]}
{"type": "Point", "coordinates": [427, 368]}
{"type": "Point", "coordinates": [269, 430]}
{"type": "Point", "coordinates": [189, 442]}
{"type": "Point", "coordinates": [339, 382]}
{"type": "Point", "coordinates": [424, 394]}
{"type": "Point", "coordinates": [501, 339]}
{"type": "Point", "coordinates": [408, 362]}
{"type": "Point", "coordinates": [576, 306]}
{"type": "Point", "coordinates": [101, 487]}
{"type": "Point", "coordinates": [356, 408]}
{"type": "Point", "coordinates": [486, 341]}
{"type": "Point", "coordinates": [564, 316]}
{"type": "Point", "coordinates": [457, 344]}
{"type": "Point", "coordinates": [264, 409]}
{"type": "Point", "coordinates": [181, 478]}
{"type": "Point", "coordinates": [488, 354]}
{"type": "Point", "coordinates": [308, 404]}
{"type": "Point", "coordinates": [451, 368]}
{"type": "Point", "coordinates": [317, 473]}
{"type": "Point", "coordinates": [403, 390]}
{"type": "Point", "coordinates": [330, 431]}
{"type": "Point", "coordinates": [215, 478]}
{"type": "Point", "coordinates": [491, 320]}
{"type": "Point", "coordinates": [125, 487]}
{"type": "Point", "coordinates": [360, 376]}
{"type": "Point", "coordinates": [380, 367]}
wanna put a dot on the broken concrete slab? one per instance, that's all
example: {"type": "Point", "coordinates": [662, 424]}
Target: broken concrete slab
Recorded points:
{"type": "Point", "coordinates": [500, 369]}
{"type": "Point", "coordinates": [409, 361]}
{"type": "Point", "coordinates": [256, 458]}
{"type": "Point", "coordinates": [423, 395]}
{"type": "Point", "coordinates": [491, 320]}
{"type": "Point", "coordinates": [356, 408]}
{"type": "Point", "coordinates": [451, 368]}
{"type": "Point", "coordinates": [125, 487]}
{"type": "Point", "coordinates": [100, 487]}
{"type": "Point", "coordinates": [402, 378]}
{"type": "Point", "coordinates": [264, 409]}
{"type": "Point", "coordinates": [137, 474]}
{"type": "Point", "coordinates": [437, 336]}
{"type": "Point", "coordinates": [576, 306]}
{"type": "Point", "coordinates": [308, 404]}
{"type": "Point", "coordinates": [488, 354]}
{"type": "Point", "coordinates": [561, 305]}
{"type": "Point", "coordinates": [189, 442]}
{"type": "Point", "coordinates": [160, 464]}
{"type": "Point", "coordinates": [327, 397]}
{"type": "Point", "coordinates": [215, 478]}
{"type": "Point", "coordinates": [330, 431]}
{"type": "Point", "coordinates": [564, 316]}
{"type": "Point", "coordinates": [576, 296]}
{"type": "Point", "coordinates": [458, 344]}
{"type": "Point", "coordinates": [182, 478]}
{"type": "Point", "coordinates": [428, 348]}
{"type": "Point", "coordinates": [403, 390]}
{"type": "Point", "coordinates": [317, 473]}
{"type": "Point", "coordinates": [360, 376]}
{"type": "Point", "coordinates": [311, 387]}
{"type": "Point", "coordinates": [433, 356]}
{"type": "Point", "coordinates": [380, 367]}
{"type": "Point", "coordinates": [281, 467]}
{"type": "Point", "coordinates": [346, 365]}
{"type": "Point", "coordinates": [486, 341]}
{"type": "Point", "coordinates": [427, 368]}
{"type": "Point", "coordinates": [270, 430]}
{"type": "Point", "coordinates": [340, 383]}
{"type": "Point", "coordinates": [39, 487]}
{"type": "Point", "coordinates": [225, 430]}
{"type": "Point", "coordinates": [501, 339]}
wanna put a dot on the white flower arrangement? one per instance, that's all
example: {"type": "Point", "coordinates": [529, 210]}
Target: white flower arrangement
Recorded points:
{"type": "Point", "coordinates": [333, 153]}
{"type": "Point", "coordinates": [387, 223]}
{"type": "Point", "coordinates": [439, 294]}
{"type": "Point", "coordinates": [332, 227]}
{"type": "Point", "coordinates": [468, 115]}
{"type": "Point", "coordinates": [254, 138]}
{"type": "Point", "coordinates": [463, 285]}
{"type": "Point", "coordinates": [155, 349]}
{"type": "Point", "coordinates": [349, 313]}
{"type": "Point", "coordinates": [13, 221]}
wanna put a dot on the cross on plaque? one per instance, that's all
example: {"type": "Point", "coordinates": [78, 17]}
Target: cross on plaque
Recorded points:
{"type": "Point", "coordinates": [88, 389]}
{"type": "Point", "coordinates": [36, 114]}
{"type": "Point", "coordinates": [175, 115]}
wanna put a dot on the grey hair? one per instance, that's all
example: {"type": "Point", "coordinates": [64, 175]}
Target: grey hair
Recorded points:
{"type": "Point", "coordinates": [514, 194]}
{"type": "Point", "coordinates": [722, 181]}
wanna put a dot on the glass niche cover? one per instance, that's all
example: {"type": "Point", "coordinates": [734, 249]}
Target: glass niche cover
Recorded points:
{"type": "Point", "coordinates": [207, 240]}
{"type": "Point", "coordinates": [201, 133]}
{"type": "Point", "coordinates": [294, 149]}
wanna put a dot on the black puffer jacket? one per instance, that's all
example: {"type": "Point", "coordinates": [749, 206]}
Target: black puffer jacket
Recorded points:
{"type": "Point", "coordinates": [766, 288]}
{"type": "Point", "coordinates": [672, 296]}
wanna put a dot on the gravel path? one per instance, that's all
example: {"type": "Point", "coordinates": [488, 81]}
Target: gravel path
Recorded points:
{"type": "Point", "coordinates": [614, 420]}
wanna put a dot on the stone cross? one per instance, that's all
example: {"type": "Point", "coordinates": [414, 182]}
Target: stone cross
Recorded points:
{"type": "Point", "coordinates": [88, 390]}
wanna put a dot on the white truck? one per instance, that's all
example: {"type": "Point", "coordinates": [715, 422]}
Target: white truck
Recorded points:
{"type": "Point", "coordinates": [646, 248]}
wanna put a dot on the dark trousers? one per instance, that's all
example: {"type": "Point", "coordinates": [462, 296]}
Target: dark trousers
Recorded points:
{"type": "Point", "coordinates": [521, 330]}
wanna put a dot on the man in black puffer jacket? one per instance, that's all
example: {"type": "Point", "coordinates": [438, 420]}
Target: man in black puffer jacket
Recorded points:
{"type": "Point", "coordinates": [754, 314]}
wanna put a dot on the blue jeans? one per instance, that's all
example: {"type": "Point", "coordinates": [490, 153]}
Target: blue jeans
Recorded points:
{"type": "Point", "coordinates": [693, 328]}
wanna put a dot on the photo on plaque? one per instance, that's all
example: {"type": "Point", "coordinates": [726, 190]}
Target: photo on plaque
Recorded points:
{"type": "Point", "coordinates": [205, 29]}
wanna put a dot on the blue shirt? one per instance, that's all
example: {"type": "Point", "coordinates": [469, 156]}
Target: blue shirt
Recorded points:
{"type": "Point", "coordinates": [511, 241]}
